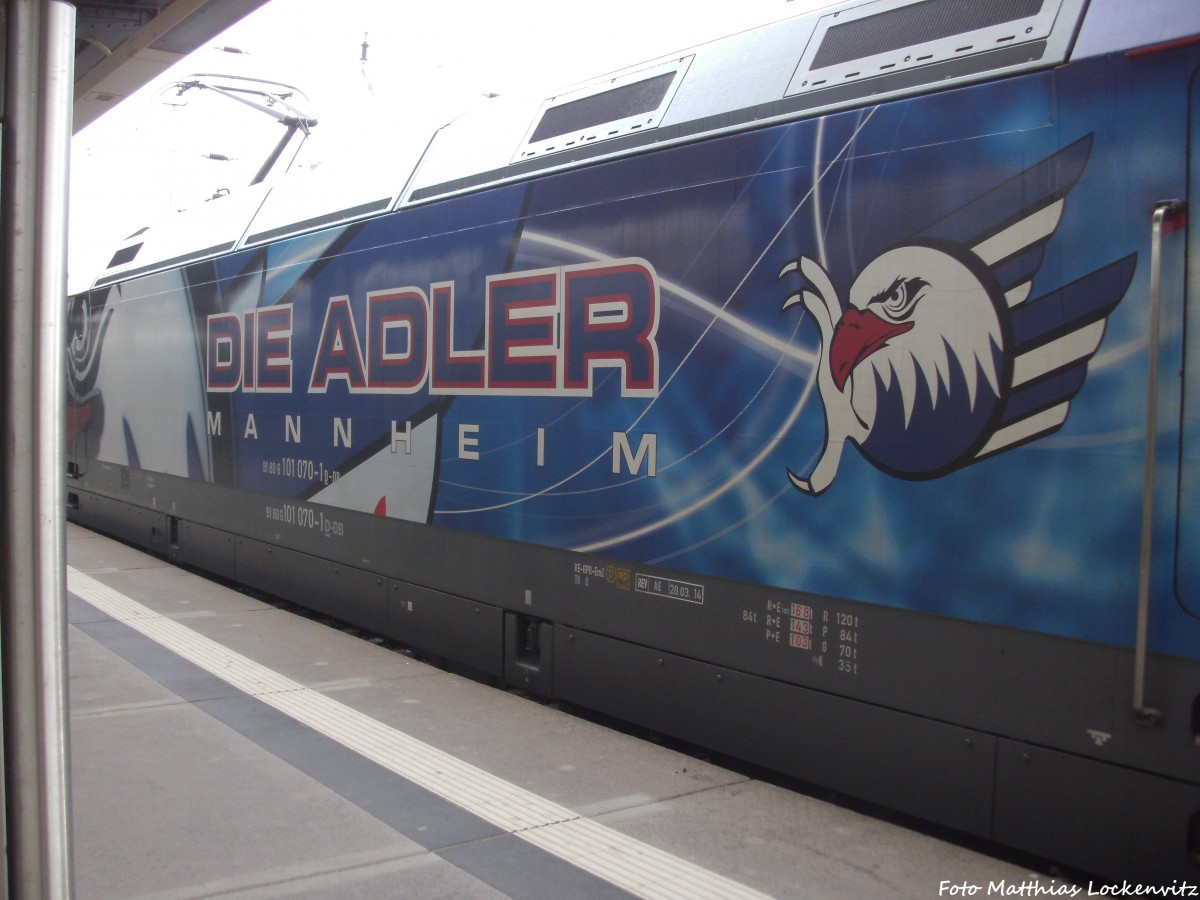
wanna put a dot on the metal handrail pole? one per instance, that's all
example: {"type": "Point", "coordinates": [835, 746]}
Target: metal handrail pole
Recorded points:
{"type": "Point", "coordinates": [1143, 713]}
{"type": "Point", "coordinates": [33, 181]}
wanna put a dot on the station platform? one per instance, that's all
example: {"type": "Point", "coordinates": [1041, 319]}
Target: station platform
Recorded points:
{"type": "Point", "coordinates": [225, 746]}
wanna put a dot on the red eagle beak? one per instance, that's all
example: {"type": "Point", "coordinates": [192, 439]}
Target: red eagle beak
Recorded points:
{"type": "Point", "coordinates": [859, 334]}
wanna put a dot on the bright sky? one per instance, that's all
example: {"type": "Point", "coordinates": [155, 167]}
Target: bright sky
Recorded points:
{"type": "Point", "coordinates": [427, 63]}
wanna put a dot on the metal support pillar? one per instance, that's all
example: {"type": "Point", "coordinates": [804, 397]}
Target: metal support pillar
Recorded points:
{"type": "Point", "coordinates": [34, 157]}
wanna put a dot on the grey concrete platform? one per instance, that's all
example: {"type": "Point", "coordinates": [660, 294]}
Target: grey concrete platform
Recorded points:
{"type": "Point", "coordinates": [184, 786]}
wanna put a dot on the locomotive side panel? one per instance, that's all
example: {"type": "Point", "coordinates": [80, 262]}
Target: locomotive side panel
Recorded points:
{"type": "Point", "coordinates": [819, 443]}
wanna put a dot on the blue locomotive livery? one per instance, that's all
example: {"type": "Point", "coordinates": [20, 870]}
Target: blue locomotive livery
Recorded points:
{"type": "Point", "coordinates": [866, 400]}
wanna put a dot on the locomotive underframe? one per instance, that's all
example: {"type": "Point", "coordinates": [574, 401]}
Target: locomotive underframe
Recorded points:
{"type": "Point", "coordinates": [1012, 736]}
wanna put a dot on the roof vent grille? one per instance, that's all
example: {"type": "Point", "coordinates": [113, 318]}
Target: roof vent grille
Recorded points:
{"type": "Point", "coordinates": [603, 111]}
{"type": "Point", "coordinates": [888, 36]}
{"type": "Point", "coordinates": [125, 255]}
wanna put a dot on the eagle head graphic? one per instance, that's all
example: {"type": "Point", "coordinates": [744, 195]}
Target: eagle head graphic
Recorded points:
{"type": "Point", "coordinates": [938, 358]}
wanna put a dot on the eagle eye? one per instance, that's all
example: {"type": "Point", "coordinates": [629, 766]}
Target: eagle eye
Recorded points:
{"type": "Point", "coordinates": [900, 297]}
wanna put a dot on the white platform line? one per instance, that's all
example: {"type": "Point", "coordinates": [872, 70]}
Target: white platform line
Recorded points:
{"type": "Point", "coordinates": [631, 865]}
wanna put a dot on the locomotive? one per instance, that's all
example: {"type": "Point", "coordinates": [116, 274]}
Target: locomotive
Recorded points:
{"type": "Point", "coordinates": [826, 396]}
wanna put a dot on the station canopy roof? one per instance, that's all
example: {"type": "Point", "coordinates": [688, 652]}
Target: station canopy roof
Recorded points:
{"type": "Point", "coordinates": [121, 45]}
